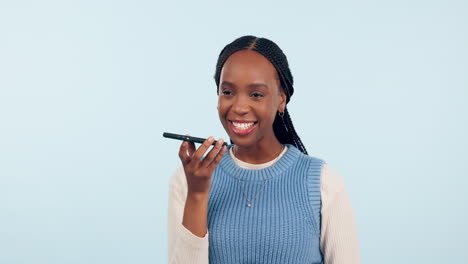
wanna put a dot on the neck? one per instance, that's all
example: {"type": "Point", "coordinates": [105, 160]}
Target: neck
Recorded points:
{"type": "Point", "coordinates": [258, 154]}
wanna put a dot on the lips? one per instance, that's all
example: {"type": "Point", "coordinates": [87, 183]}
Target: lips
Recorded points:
{"type": "Point", "coordinates": [242, 127]}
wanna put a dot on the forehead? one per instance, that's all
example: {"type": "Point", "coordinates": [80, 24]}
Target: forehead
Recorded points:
{"type": "Point", "coordinates": [248, 66]}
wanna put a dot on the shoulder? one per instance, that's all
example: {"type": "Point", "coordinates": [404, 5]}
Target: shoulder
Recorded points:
{"type": "Point", "coordinates": [330, 180]}
{"type": "Point", "coordinates": [302, 158]}
{"type": "Point", "coordinates": [314, 164]}
{"type": "Point", "coordinates": [331, 184]}
{"type": "Point", "coordinates": [325, 178]}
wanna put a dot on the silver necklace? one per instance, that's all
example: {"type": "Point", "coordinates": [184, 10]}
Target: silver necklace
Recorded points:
{"type": "Point", "coordinates": [249, 202]}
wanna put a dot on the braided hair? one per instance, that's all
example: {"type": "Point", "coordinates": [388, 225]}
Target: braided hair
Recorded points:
{"type": "Point", "coordinates": [282, 126]}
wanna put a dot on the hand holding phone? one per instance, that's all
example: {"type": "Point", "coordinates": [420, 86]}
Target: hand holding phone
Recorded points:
{"type": "Point", "coordinates": [198, 171]}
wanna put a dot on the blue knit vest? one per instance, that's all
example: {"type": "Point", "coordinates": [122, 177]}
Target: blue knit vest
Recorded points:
{"type": "Point", "coordinates": [283, 223]}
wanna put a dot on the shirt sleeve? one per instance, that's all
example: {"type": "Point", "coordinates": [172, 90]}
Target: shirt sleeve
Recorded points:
{"type": "Point", "coordinates": [339, 237]}
{"type": "Point", "coordinates": [183, 246]}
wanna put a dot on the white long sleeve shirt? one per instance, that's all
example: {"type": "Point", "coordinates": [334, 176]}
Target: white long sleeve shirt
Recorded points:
{"type": "Point", "coordinates": [338, 240]}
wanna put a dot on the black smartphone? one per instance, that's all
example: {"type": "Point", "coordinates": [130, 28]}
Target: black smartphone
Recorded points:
{"type": "Point", "coordinates": [188, 138]}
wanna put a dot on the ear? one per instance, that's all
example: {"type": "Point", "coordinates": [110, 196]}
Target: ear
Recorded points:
{"type": "Point", "coordinates": [282, 104]}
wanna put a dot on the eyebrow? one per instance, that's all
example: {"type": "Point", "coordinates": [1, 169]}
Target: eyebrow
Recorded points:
{"type": "Point", "coordinates": [251, 86]}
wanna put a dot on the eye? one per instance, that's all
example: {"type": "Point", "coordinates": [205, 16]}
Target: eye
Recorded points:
{"type": "Point", "coordinates": [226, 92]}
{"type": "Point", "coordinates": [257, 95]}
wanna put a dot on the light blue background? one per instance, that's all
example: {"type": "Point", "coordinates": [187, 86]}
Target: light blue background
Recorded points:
{"type": "Point", "coordinates": [88, 87]}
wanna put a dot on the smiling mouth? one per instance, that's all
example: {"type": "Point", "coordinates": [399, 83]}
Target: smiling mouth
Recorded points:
{"type": "Point", "coordinates": [243, 125]}
{"type": "Point", "coordinates": [242, 128]}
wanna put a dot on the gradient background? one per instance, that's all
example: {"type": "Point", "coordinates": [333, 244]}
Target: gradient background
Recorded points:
{"type": "Point", "coordinates": [88, 87]}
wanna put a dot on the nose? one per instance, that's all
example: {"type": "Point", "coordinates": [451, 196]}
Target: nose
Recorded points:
{"type": "Point", "coordinates": [240, 106]}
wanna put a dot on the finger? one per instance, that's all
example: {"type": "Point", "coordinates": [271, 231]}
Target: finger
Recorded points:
{"type": "Point", "coordinates": [212, 154]}
{"type": "Point", "coordinates": [218, 158]}
{"type": "Point", "coordinates": [190, 147]}
{"type": "Point", "coordinates": [183, 152]}
{"type": "Point", "coordinates": [186, 150]}
{"type": "Point", "coordinates": [202, 149]}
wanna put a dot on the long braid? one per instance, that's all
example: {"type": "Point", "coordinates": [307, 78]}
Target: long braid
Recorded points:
{"type": "Point", "coordinates": [282, 126]}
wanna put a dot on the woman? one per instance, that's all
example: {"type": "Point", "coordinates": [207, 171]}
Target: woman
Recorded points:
{"type": "Point", "coordinates": [262, 198]}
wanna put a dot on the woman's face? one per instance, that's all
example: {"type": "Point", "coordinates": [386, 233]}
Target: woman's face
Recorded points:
{"type": "Point", "coordinates": [249, 98]}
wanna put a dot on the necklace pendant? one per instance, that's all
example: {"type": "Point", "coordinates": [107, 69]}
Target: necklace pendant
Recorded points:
{"type": "Point", "coordinates": [249, 204]}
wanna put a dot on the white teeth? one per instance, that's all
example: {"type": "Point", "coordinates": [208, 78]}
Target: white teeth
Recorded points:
{"type": "Point", "coordinates": [243, 125]}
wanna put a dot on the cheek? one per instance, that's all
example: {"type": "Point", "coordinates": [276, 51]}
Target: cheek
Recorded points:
{"type": "Point", "coordinates": [221, 108]}
{"type": "Point", "coordinates": [224, 103]}
{"type": "Point", "coordinates": [269, 110]}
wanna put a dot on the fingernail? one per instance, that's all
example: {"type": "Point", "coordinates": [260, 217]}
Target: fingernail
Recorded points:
{"type": "Point", "coordinates": [221, 141]}
{"type": "Point", "coordinates": [211, 139]}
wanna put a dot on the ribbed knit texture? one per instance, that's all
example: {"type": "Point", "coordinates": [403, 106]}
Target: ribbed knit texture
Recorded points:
{"type": "Point", "coordinates": [283, 224]}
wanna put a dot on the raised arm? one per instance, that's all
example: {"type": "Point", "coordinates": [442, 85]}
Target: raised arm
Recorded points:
{"type": "Point", "coordinates": [188, 203]}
